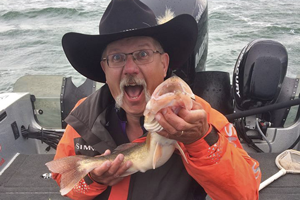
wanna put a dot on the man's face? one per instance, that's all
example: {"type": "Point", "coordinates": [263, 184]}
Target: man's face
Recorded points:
{"type": "Point", "coordinates": [130, 84]}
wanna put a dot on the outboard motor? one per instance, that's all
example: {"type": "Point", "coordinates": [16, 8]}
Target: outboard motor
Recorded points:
{"type": "Point", "coordinates": [258, 78]}
{"type": "Point", "coordinates": [259, 73]}
{"type": "Point", "coordinates": [199, 10]}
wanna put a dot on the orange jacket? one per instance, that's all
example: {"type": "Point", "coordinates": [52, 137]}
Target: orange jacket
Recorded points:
{"type": "Point", "coordinates": [224, 169]}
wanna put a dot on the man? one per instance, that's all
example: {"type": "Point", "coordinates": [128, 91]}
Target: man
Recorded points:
{"type": "Point", "coordinates": [133, 56]}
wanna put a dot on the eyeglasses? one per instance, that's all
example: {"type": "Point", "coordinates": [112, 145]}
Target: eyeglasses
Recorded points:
{"type": "Point", "coordinates": [140, 57]}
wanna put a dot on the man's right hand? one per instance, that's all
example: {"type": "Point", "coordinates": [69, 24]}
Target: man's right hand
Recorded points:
{"type": "Point", "coordinates": [109, 173]}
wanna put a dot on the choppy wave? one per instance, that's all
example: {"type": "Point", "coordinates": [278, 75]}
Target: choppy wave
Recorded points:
{"type": "Point", "coordinates": [31, 32]}
{"type": "Point", "coordinates": [33, 13]}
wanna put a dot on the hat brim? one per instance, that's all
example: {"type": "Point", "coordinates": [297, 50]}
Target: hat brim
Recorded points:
{"type": "Point", "coordinates": [177, 36]}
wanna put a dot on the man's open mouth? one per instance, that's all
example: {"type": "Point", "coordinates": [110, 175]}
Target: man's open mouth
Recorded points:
{"type": "Point", "coordinates": [133, 91]}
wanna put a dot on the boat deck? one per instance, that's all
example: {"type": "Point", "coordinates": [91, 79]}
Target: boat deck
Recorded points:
{"type": "Point", "coordinates": [22, 180]}
{"type": "Point", "coordinates": [286, 187]}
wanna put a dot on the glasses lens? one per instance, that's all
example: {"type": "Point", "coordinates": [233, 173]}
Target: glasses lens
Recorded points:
{"type": "Point", "coordinates": [143, 56]}
{"type": "Point", "coordinates": [116, 60]}
{"type": "Point", "coordinates": [140, 57]}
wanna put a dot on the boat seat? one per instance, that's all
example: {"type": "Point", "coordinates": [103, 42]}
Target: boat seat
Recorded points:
{"type": "Point", "coordinates": [215, 88]}
{"type": "Point", "coordinates": [72, 94]}
{"type": "Point", "coordinates": [54, 96]}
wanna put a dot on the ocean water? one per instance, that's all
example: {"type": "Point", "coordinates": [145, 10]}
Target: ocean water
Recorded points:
{"type": "Point", "coordinates": [31, 31]}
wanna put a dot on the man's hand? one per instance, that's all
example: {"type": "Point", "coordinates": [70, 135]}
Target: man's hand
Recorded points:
{"type": "Point", "coordinates": [109, 173]}
{"type": "Point", "coordinates": [186, 127]}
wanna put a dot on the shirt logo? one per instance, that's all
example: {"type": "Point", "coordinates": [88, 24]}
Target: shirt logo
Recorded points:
{"type": "Point", "coordinates": [79, 146]}
{"type": "Point", "coordinates": [82, 148]}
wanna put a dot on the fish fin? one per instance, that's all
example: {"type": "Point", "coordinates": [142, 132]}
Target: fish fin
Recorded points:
{"type": "Point", "coordinates": [129, 172]}
{"type": "Point", "coordinates": [124, 147]}
{"type": "Point", "coordinates": [148, 141]}
{"type": "Point", "coordinates": [181, 152]}
{"type": "Point", "coordinates": [157, 154]}
{"type": "Point", "coordinates": [71, 171]}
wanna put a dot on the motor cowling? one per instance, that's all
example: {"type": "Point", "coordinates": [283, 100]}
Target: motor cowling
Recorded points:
{"type": "Point", "coordinates": [199, 10]}
{"type": "Point", "coordinates": [259, 73]}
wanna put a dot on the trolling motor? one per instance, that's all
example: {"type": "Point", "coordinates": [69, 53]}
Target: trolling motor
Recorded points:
{"type": "Point", "coordinates": [258, 80]}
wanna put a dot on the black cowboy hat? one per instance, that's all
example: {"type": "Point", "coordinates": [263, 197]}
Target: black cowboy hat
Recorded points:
{"type": "Point", "coordinates": [128, 18]}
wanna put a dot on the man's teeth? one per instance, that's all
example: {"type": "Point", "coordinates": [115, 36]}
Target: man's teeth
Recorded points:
{"type": "Point", "coordinates": [133, 90]}
{"type": "Point", "coordinates": [131, 84]}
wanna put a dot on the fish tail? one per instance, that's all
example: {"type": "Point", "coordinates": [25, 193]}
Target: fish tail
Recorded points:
{"type": "Point", "coordinates": [72, 170]}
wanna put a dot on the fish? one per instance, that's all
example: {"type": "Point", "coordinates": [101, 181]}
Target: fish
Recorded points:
{"type": "Point", "coordinates": [174, 93]}
{"type": "Point", "coordinates": [151, 154]}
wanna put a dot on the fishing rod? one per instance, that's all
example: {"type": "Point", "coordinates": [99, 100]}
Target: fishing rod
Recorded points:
{"type": "Point", "coordinates": [260, 110]}
{"type": "Point", "coordinates": [52, 136]}
{"type": "Point", "coordinates": [267, 108]}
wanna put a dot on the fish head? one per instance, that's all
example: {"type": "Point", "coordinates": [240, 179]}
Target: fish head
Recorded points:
{"type": "Point", "coordinates": [173, 93]}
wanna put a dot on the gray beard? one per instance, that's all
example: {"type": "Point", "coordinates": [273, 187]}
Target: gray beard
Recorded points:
{"type": "Point", "coordinates": [126, 81]}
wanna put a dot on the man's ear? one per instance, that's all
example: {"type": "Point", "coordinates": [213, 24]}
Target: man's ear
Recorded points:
{"type": "Point", "coordinates": [165, 59]}
{"type": "Point", "coordinates": [102, 66]}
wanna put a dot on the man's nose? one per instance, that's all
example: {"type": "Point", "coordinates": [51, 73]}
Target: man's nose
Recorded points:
{"type": "Point", "coordinates": [130, 66]}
